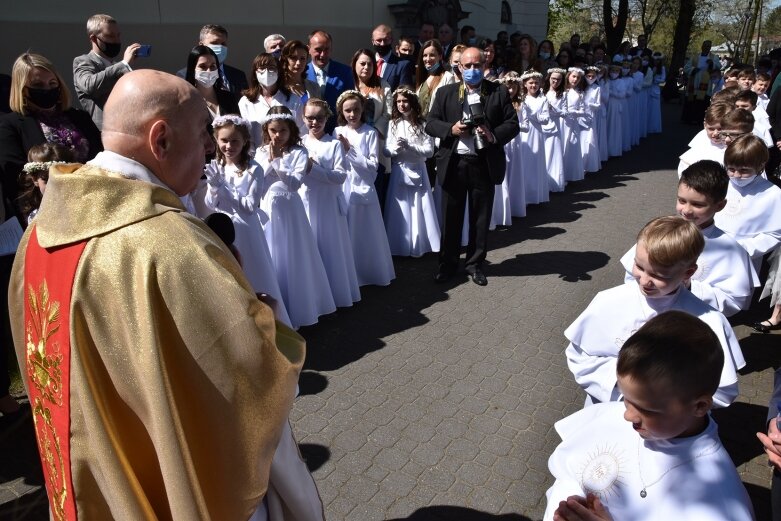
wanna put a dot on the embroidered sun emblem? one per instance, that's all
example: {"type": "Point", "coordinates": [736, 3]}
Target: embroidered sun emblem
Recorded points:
{"type": "Point", "coordinates": [703, 269]}
{"type": "Point", "coordinates": [601, 475]}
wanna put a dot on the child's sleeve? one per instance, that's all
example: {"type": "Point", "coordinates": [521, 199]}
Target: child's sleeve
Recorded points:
{"type": "Point", "coordinates": [422, 144]}
{"type": "Point", "coordinates": [761, 243]}
{"type": "Point", "coordinates": [291, 167]}
{"type": "Point", "coordinates": [336, 173]}
{"type": "Point", "coordinates": [365, 166]}
{"type": "Point", "coordinates": [250, 202]}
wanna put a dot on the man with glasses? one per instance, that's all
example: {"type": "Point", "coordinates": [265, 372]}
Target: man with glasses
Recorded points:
{"type": "Point", "coordinates": [474, 119]}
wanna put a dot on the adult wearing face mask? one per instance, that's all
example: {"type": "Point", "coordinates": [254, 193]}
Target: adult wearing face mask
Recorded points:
{"type": "Point", "coordinates": [468, 36]}
{"type": "Point", "coordinates": [95, 73]}
{"type": "Point", "coordinates": [464, 167]}
{"type": "Point", "coordinates": [267, 90]}
{"type": "Point", "coordinates": [41, 112]}
{"type": "Point", "coordinates": [389, 67]}
{"type": "Point", "coordinates": [273, 44]}
{"type": "Point", "coordinates": [232, 79]}
{"type": "Point", "coordinates": [202, 73]}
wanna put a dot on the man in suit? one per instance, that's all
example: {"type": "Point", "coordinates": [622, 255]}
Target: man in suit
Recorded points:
{"type": "Point", "coordinates": [470, 165]}
{"type": "Point", "coordinates": [95, 73]}
{"type": "Point", "coordinates": [389, 67]}
{"type": "Point", "coordinates": [425, 34]}
{"type": "Point", "coordinates": [215, 37]}
{"type": "Point", "coordinates": [332, 77]}
{"type": "Point", "coordinates": [445, 37]}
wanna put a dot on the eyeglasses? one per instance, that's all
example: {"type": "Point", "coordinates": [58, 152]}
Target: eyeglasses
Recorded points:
{"type": "Point", "coordinates": [313, 119]}
{"type": "Point", "coordinates": [731, 135]}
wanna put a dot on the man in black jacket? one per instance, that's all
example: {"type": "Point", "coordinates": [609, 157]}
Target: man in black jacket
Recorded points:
{"type": "Point", "coordinates": [474, 120]}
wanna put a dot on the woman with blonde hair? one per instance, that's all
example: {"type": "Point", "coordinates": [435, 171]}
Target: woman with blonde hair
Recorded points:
{"type": "Point", "coordinates": [41, 113]}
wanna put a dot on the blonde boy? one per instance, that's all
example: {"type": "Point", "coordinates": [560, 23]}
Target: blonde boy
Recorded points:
{"type": "Point", "coordinates": [725, 278]}
{"type": "Point", "coordinates": [665, 259]}
{"type": "Point", "coordinates": [657, 456]}
{"type": "Point", "coordinates": [708, 142]}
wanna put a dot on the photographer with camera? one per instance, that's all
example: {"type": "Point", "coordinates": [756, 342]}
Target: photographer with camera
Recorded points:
{"type": "Point", "coordinates": [95, 73]}
{"type": "Point", "coordinates": [473, 119]}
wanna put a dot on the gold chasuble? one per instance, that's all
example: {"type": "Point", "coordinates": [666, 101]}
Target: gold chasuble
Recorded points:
{"type": "Point", "coordinates": [159, 383]}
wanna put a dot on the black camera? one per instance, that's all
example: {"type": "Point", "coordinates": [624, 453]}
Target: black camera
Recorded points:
{"type": "Point", "coordinates": [475, 119]}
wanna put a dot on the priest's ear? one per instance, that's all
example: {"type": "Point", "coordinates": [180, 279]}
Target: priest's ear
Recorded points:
{"type": "Point", "coordinates": [160, 139]}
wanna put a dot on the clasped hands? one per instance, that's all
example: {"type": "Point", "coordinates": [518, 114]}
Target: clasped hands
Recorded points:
{"type": "Point", "coordinates": [579, 508]}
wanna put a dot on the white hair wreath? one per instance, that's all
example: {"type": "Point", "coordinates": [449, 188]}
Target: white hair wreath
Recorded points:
{"type": "Point", "coordinates": [576, 69]}
{"type": "Point", "coordinates": [220, 121]}
{"type": "Point", "coordinates": [345, 94]}
{"type": "Point", "coordinates": [531, 74]}
{"type": "Point", "coordinates": [272, 117]}
{"type": "Point", "coordinates": [37, 166]}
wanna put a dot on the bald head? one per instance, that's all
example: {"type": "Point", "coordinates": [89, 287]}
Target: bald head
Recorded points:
{"type": "Point", "coordinates": [160, 121]}
{"type": "Point", "coordinates": [141, 97]}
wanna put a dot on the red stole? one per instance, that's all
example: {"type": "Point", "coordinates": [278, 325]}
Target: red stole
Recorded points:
{"type": "Point", "coordinates": [48, 279]}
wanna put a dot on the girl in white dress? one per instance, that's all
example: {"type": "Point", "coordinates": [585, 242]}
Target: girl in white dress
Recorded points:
{"type": "Point", "coordinates": [266, 90]}
{"type": "Point", "coordinates": [373, 261]}
{"type": "Point", "coordinates": [638, 104]}
{"type": "Point", "coordinates": [627, 104]}
{"type": "Point", "coordinates": [513, 179]}
{"type": "Point", "coordinates": [574, 111]}
{"type": "Point", "coordinates": [325, 204]}
{"type": "Point", "coordinates": [604, 94]}
{"type": "Point", "coordinates": [534, 114]}
{"type": "Point", "coordinates": [615, 117]}
{"type": "Point", "coordinates": [235, 184]}
{"type": "Point", "coordinates": [300, 271]}
{"type": "Point", "coordinates": [655, 95]}
{"type": "Point", "coordinates": [410, 216]}
{"type": "Point", "coordinates": [554, 150]}
{"type": "Point", "coordinates": [588, 136]}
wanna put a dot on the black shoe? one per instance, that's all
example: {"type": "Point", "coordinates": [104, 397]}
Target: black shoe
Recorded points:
{"type": "Point", "coordinates": [442, 276]}
{"type": "Point", "coordinates": [478, 278]}
{"type": "Point", "coordinates": [766, 326]}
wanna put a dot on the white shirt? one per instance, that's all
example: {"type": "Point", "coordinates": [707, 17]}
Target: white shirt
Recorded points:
{"type": "Point", "coordinates": [615, 314]}
{"type": "Point", "coordinates": [466, 142]}
{"type": "Point", "coordinates": [691, 478]}
{"type": "Point", "coordinates": [725, 278]}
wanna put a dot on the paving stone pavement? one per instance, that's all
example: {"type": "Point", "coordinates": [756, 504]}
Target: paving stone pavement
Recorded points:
{"type": "Point", "coordinates": [433, 402]}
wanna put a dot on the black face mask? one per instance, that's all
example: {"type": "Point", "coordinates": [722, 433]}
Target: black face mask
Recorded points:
{"type": "Point", "coordinates": [382, 50]}
{"type": "Point", "coordinates": [109, 49]}
{"type": "Point", "coordinates": [44, 98]}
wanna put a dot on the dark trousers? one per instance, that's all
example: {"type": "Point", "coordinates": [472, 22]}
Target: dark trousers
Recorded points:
{"type": "Point", "coordinates": [466, 181]}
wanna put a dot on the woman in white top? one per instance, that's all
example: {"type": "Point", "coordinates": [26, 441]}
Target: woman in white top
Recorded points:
{"type": "Point", "coordinates": [266, 90]}
{"type": "Point", "coordinates": [430, 74]}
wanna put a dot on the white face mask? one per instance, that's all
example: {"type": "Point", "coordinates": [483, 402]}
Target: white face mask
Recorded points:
{"type": "Point", "coordinates": [740, 182]}
{"type": "Point", "coordinates": [613, 75]}
{"type": "Point", "coordinates": [206, 78]}
{"type": "Point", "coordinates": [267, 78]}
{"type": "Point", "coordinates": [590, 80]}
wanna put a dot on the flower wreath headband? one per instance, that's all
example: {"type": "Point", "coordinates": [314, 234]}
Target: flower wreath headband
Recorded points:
{"type": "Point", "coordinates": [510, 77]}
{"type": "Point", "coordinates": [346, 94]}
{"type": "Point", "coordinates": [531, 74]}
{"type": "Point", "coordinates": [37, 166]}
{"type": "Point", "coordinates": [591, 68]}
{"type": "Point", "coordinates": [273, 117]}
{"type": "Point", "coordinates": [233, 119]}
{"type": "Point", "coordinates": [403, 90]}
{"type": "Point", "coordinates": [576, 69]}
{"type": "Point", "coordinates": [557, 69]}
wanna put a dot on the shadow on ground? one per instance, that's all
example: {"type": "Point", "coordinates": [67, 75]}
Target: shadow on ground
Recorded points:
{"type": "Point", "coordinates": [453, 513]}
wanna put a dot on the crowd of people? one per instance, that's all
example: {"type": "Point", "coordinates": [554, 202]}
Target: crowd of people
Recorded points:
{"type": "Point", "coordinates": [323, 172]}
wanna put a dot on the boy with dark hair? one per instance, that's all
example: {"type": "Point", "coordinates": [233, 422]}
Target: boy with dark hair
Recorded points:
{"type": "Point", "coordinates": [665, 259]}
{"type": "Point", "coordinates": [752, 215]}
{"type": "Point", "coordinates": [747, 100]}
{"type": "Point", "coordinates": [657, 455]}
{"type": "Point", "coordinates": [760, 86]}
{"type": "Point", "coordinates": [746, 78]}
{"type": "Point", "coordinates": [725, 278]}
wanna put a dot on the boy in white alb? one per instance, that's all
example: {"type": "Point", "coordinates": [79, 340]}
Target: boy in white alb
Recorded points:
{"type": "Point", "coordinates": [760, 87]}
{"type": "Point", "coordinates": [747, 100]}
{"type": "Point", "coordinates": [752, 215]}
{"type": "Point", "coordinates": [665, 259]}
{"type": "Point", "coordinates": [708, 138]}
{"type": "Point", "coordinates": [725, 278]}
{"type": "Point", "coordinates": [733, 125]}
{"type": "Point", "coordinates": [657, 456]}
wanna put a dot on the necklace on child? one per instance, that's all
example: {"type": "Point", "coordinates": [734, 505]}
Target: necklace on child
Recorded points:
{"type": "Point", "coordinates": [239, 171]}
{"type": "Point", "coordinates": [704, 452]}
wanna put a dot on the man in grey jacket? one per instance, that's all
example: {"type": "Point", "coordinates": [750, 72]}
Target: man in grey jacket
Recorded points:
{"type": "Point", "coordinates": [95, 73]}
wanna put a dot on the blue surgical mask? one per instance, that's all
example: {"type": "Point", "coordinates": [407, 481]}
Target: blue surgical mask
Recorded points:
{"type": "Point", "coordinates": [644, 62]}
{"type": "Point", "coordinates": [472, 76]}
{"type": "Point", "coordinates": [277, 54]}
{"type": "Point", "coordinates": [472, 41]}
{"type": "Point", "coordinates": [740, 182]}
{"type": "Point", "coordinates": [433, 68]}
{"type": "Point", "coordinates": [221, 51]}
{"type": "Point", "coordinates": [624, 71]}
{"type": "Point", "coordinates": [544, 55]}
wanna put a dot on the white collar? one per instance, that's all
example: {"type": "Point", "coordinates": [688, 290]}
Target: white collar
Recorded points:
{"type": "Point", "coordinates": [127, 167]}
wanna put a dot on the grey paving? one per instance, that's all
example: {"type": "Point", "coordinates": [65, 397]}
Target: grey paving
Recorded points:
{"type": "Point", "coordinates": [432, 402]}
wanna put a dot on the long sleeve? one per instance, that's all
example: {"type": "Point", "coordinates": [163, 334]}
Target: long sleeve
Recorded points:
{"type": "Point", "coordinates": [437, 123]}
{"type": "Point", "coordinates": [761, 243]}
{"type": "Point", "coordinates": [92, 82]}
{"type": "Point", "coordinates": [335, 173]}
{"type": "Point", "coordinates": [595, 374]}
{"type": "Point", "coordinates": [290, 168]}
{"type": "Point", "coordinates": [365, 165]}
